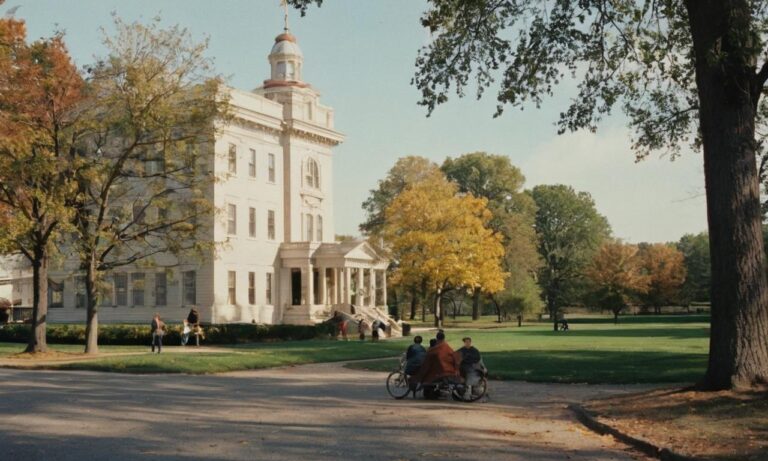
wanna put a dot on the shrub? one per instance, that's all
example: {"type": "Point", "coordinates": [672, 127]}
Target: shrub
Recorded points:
{"type": "Point", "coordinates": [127, 334]}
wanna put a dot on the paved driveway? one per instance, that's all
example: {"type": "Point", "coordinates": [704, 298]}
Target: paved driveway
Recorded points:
{"type": "Point", "coordinates": [311, 412]}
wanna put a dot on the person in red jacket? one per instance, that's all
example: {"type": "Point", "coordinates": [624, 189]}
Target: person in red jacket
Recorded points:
{"type": "Point", "coordinates": [440, 362]}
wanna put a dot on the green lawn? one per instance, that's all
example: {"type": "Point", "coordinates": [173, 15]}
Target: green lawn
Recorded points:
{"type": "Point", "coordinates": [7, 349]}
{"type": "Point", "coordinates": [590, 352]}
{"type": "Point", "coordinates": [667, 350]}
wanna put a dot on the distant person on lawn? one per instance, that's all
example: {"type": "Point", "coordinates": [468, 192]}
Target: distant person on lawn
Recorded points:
{"type": "Point", "coordinates": [158, 330]}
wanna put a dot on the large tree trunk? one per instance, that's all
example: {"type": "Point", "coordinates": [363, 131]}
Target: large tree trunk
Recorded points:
{"type": "Point", "coordinates": [728, 93]}
{"type": "Point", "coordinates": [476, 304]}
{"type": "Point", "coordinates": [92, 321]}
{"type": "Point", "coordinates": [552, 308]}
{"type": "Point", "coordinates": [37, 340]}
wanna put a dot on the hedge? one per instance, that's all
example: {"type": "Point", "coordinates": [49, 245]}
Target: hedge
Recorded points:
{"type": "Point", "coordinates": [121, 334]}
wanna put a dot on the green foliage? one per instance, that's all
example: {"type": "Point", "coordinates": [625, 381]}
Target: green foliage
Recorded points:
{"type": "Point", "coordinates": [695, 249]}
{"type": "Point", "coordinates": [406, 171]}
{"type": "Point", "coordinates": [141, 334]}
{"type": "Point", "coordinates": [570, 231]}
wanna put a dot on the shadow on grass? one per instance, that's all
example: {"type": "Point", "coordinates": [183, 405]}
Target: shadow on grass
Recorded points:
{"type": "Point", "coordinates": [590, 366]}
{"type": "Point", "coordinates": [622, 332]}
{"type": "Point", "coordinates": [640, 319]}
{"type": "Point", "coordinates": [584, 366]}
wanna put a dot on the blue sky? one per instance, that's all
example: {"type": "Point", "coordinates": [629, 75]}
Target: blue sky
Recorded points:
{"type": "Point", "coordinates": [360, 56]}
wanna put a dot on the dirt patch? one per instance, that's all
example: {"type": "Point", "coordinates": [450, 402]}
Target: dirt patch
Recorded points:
{"type": "Point", "coordinates": [722, 425]}
{"type": "Point", "coordinates": [45, 356]}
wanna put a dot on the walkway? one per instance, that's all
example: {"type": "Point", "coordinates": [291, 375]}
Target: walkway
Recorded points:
{"type": "Point", "coordinates": [310, 412]}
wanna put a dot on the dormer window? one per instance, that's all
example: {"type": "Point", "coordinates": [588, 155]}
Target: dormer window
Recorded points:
{"type": "Point", "coordinates": [312, 174]}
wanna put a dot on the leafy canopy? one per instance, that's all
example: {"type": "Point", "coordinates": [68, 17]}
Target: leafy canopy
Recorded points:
{"type": "Point", "coordinates": [442, 237]}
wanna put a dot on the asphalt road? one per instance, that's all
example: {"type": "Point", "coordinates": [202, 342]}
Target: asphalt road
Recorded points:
{"type": "Point", "coordinates": [311, 412]}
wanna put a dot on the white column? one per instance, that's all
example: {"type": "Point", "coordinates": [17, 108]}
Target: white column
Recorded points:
{"type": "Point", "coordinates": [372, 285]}
{"type": "Point", "coordinates": [336, 285]}
{"type": "Point", "coordinates": [384, 286]}
{"type": "Point", "coordinates": [323, 284]}
{"type": "Point", "coordinates": [359, 287]}
{"type": "Point", "coordinates": [348, 285]}
{"type": "Point", "coordinates": [308, 285]}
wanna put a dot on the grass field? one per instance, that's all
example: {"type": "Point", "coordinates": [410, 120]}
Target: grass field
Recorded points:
{"type": "Point", "coordinates": [660, 349]}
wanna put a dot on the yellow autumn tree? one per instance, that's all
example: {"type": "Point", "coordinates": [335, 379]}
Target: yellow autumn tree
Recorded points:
{"type": "Point", "coordinates": [664, 265]}
{"type": "Point", "coordinates": [441, 237]}
{"type": "Point", "coordinates": [616, 276]}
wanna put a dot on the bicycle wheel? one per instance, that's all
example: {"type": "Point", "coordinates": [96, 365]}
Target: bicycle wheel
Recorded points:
{"type": "Point", "coordinates": [397, 385]}
{"type": "Point", "coordinates": [477, 392]}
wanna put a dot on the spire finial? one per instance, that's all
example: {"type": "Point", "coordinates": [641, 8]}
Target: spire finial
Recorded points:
{"type": "Point", "coordinates": [284, 4]}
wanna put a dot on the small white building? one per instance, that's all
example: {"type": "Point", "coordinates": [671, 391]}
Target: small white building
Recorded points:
{"type": "Point", "coordinates": [278, 262]}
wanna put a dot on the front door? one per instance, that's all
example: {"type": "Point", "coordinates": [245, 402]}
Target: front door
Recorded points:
{"type": "Point", "coordinates": [296, 287]}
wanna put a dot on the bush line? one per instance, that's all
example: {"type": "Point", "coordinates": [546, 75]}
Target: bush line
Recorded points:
{"type": "Point", "coordinates": [130, 335]}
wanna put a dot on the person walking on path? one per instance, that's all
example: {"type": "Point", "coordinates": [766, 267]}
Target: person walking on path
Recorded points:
{"type": "Point", "coordinates": [158, 330]}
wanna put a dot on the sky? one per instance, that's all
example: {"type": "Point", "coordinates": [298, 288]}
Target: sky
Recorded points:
{"type": "Point", "coordinates": [360, 56]}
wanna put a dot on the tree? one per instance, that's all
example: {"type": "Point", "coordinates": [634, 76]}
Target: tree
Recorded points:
{"type": "Point", "coordinates": [689, 71]}
{"type": "Point", "coordinates": [441, 239]}
{"type": "Point", "coordinates": [695, 249]}
{"type": "Point", "coordinates": [406, 171]}
{"type": "Point", "coordinates": [570, 231]}
{"type": "Point", "coordinates": [664, 266]}
{"type": "Point", "coordinates": [40, 94]}
{"type": "Point", "coordinates": [142, 186]}
{"type": "Point", "coordinates": [497, 180]}
{"type": "Point", "coordinates": [616, 276]}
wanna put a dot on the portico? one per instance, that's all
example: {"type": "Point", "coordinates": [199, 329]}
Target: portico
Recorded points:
{"type": "Point", "coordinates": [323, 277]}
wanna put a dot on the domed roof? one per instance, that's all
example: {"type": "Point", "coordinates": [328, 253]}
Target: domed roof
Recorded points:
{"type": "Point", "coordinates": [285, 43]}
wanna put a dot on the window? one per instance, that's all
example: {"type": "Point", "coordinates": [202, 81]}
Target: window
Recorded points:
{"type": "Point", "coordinates": [269, 288]}
{"type": "Point", "coordinates": [231, 219]}
{"type": "Point", "coordinates": [137, 289]}
{"type": "Point", "coordinates": [121, 289]}
{"type": "Point", "coordinates": [312, 174]}
{"type": "Point", "coordinates": [252, 164]}
{"type": "Point", "coordinates": [162, 213]}
{"type": "Point", "coordinates": [251, 288]}
{"type": "Point", "coordinates": [271, 167]}
{"type": "Point", "coordinates": [154, 163]}
{"type": "Point", "coordinates": [106, 290]}
{"type": "Point", "coordinates": [161, 289]}
{"type": "Point", "coordinates": [232, 285]}
{"type": "Point", "coordinates": [55, 294]}
{"type": "Point", "coordinates": [252, 222]}
{"type": "Point", "coordinates": [138, 213]}
{"type": "Point", "coordinates": [271, 224]}
{"type": "Point", "coordinates": [309, 110]}
{"type": "Point", "coordinates": [319, 228]}
{"type": "Point", "coordinates": [189, 279]}
{"type": "Point", "coordinates": [80, 296]}
{"type": "Point", "coordinates": [308, 227]}
{"type": "Point", "coordinates": [232, 157]}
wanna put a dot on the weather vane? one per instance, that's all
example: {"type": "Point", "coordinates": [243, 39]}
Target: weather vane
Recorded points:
{"type": "Point", "coordinates": [284, 4]}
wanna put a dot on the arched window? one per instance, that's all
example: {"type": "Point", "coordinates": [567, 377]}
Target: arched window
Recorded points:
{"type": "Point", "coordinates": [312, 174]}
{"type": "Point", "coordinates": [319, 228]}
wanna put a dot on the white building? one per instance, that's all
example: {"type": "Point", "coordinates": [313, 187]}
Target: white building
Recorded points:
{"type": "Point", "coordinates": [279, 262]}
